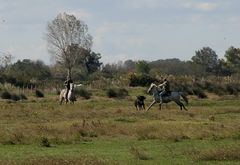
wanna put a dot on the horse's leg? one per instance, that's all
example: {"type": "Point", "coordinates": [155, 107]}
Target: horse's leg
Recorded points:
{"type": "Point", "coordinates": [181, 104]}
{"type": "Point", "coordinates": [151, 105]}
{"type": "Point", "coordinates": [66, 95]}
{"type": "Point", "coordinates": [160, 106]}
{"type": "Point", "coordinates": [184, 107]}
{"type": "Point", "coordinates": [178, 103]}
{"type": "Point", "coordinates": [61, 100]}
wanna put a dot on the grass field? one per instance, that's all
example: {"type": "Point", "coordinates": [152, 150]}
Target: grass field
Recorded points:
{"type": "Point", "coordinates": [110, 131]}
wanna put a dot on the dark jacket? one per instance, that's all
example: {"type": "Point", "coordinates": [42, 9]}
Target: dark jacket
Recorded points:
{"type": "Point", "coordinates": [167, 86]}
{"type": "Point", "coordinates": [67, 83]}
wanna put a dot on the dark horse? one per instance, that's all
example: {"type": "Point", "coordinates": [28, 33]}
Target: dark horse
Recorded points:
{"type": "Point", "coordinates": [174, 96]}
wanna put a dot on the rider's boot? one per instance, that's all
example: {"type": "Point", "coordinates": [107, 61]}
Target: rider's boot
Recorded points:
{"type": "Point", "coordinates": [160, 100]}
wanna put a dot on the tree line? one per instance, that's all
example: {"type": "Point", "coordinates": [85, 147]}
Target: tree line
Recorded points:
{"type": "Point", "coordinates": [70, 43]}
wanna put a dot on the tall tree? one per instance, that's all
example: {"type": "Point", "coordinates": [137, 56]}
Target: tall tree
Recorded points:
{"type": "Point", "coordinates": [92, 62]}
{"type": "Point", "coordinates": [207, 58]}
{"type": "Point", "coordinates": [5, 59]}
{"type": "Point", "coordinates": [223, 69]}
{"type": "Point", "coordinates": [233, 58]}
{"type": "Point", "coordinates": [68, 39]}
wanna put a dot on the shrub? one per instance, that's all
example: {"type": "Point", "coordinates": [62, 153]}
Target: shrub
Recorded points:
{"type": "Point", "coordinates": [38, 93]}
{"type": "Point", "coordinates": [83, 93]}
{"type": "Point", "coordinates": [215, 88]}
{"type": "Point", "coordinates": [221, 90]}
{"type": "Point", "coordinates": [22, 97]}
{"type": "Point", "coordinates": [111, 93]}
{"type": "Point", "coordinates": [189, 91]}
{"type": "Point", "coordinates": [142, 80]}
{"type": "Point", "coordinates": [209, 86]}
{"type": "Point", "coordinates": [122, 92]}
{"type": "Point", "coordinates": [15, 97]}
{"type": "Point", "coordinates": [183, 87]}
{"type": "Point", "coordinates": [232, 89]}
{"type": "Point", "coordinates": [6, 95]}
{"type": "Point", "coordinates": [199, 92]}
{"type": "Point", "coordinates": [45, 142]}
{"type": "Point", "coordinates": [85, 132]}
{"type": "Point", "coordinates": [198, 85]}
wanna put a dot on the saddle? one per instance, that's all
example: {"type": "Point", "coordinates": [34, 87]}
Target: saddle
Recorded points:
{"type": "Point", "coordinates": [168, 93]}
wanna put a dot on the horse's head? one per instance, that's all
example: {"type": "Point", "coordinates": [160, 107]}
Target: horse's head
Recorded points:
{"type": "Point", "coordinates": [152, 86]}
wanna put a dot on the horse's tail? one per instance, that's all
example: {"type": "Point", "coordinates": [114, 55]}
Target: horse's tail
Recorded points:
{"type": "Point", "coordinates": [184, 97]}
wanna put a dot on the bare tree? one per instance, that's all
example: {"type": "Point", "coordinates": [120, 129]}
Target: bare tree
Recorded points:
{"type": "Point", "coordinates": [68, 39]}
{"type": "Point", "coordinates": [5, 59]}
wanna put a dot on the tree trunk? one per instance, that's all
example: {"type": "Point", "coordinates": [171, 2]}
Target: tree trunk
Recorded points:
{"type": "Point", "coordinates": [69, 73]}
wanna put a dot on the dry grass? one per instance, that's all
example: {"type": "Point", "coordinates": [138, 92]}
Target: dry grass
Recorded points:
{"type": "Point", "coordinates": [81, 160]}
{"type": "Point", "coordinates": [139, 153]}
{"type": "Point", "coordinates": [27, 122]}
{"type": "Point", "coordinates": [219, 153]}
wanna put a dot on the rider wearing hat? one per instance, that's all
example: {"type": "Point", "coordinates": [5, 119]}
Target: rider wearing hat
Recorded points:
{"type": "Point", "coordinates": [67, 85]}
{"type": "Point", "coordinates": [165, 88]}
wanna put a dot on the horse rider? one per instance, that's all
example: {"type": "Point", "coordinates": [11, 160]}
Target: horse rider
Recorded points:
{"type": "Point", "coordinates": [67, 86]}
{"type": "Point", "coordinates": [165, 89]}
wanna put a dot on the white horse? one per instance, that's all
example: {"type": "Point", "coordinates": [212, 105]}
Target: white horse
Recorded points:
{"type": "Point", "coordinates": [174, 96]}
{"type": "Point", "coordinates": [70, 96]}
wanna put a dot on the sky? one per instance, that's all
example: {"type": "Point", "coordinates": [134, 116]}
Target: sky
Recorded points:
{"type": "Point", "coordinates": [124, 29]}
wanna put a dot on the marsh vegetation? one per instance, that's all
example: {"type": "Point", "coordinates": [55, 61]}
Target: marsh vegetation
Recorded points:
{"type": "Point", "coordinates": [104, 130]}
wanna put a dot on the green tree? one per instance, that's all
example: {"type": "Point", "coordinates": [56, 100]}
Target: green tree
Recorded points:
{"type": "Point", "coordinates": [110, 70]}
{"type": "Point", "coordinates": [92, 62]}
{"type": "Point", "coordinates": [129, 65]}
{"type": "Point", "coordinates": [207, 58]}
{"type": "Point", "coordinates": [233, 58]}
{"type": "Point", "coordinates": [87, 63]}
{"type": "Point", "coordinates": [142, 67]}
{"type": "Point", "coordinates": [223, 69]}
{"type": "Point", "coordinates": [68, 39]}
{"type": "Point", "coordinates": [27, 71]}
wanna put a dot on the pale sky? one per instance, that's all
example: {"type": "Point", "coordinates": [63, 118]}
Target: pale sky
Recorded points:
{"type": "Point", "coordinates": [124, 29]}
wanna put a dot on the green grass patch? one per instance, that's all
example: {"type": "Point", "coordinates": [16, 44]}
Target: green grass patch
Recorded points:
{"type": "Point", "coordinates": [104, 130]}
